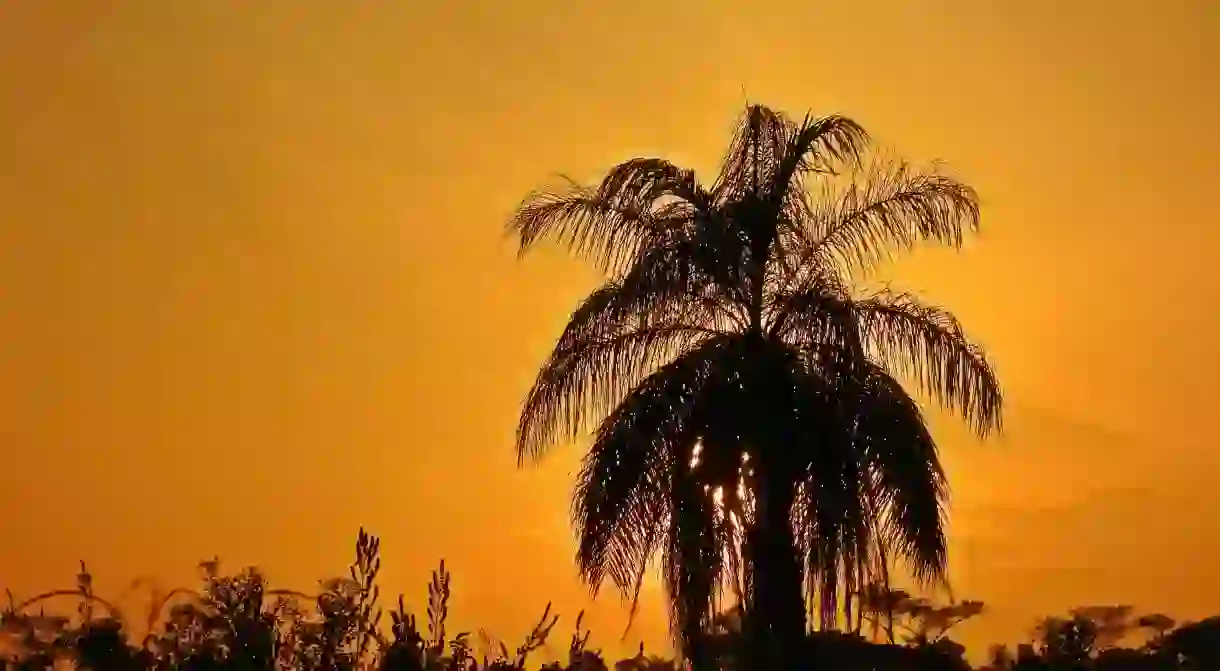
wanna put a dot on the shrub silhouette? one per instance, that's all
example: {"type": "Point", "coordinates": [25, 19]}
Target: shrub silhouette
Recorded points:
{"type": "Point", "coordinates": [236, 622]}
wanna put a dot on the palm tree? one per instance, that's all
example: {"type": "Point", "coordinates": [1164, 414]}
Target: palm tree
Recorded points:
{"type": "Point", "coordinates": [744, 394]}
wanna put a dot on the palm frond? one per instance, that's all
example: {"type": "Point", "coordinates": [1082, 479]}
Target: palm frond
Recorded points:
{"type": "Point", "coordinates": [816, 146]}
{"type": "Point", "coordinates": [665, 285]}
{"type": "Point", "coordinates": [893, 207]}
{"type": "Point", "coordinates": [629, 470]}
{"type": "Point", "coordinates": [818, 312]}
{"type": "Point", "coordinates": [855, 502]}
{"type": "Point", "coordinates": [586, 379]}
{"type": "Point", "coordinates": [761, 182]}
{"type": "Point", "coordinates": [622, 491]}
{"type": "Point", "coordinates": [592, 227]}
{"type": "Point", "coordinates": [754, 154]}
{"type": "Point", "coordinates": [654, 180]}
{"type": "Point", "coordinates": [832, 521]}
{"type": "Point", "coordinates": [907, 484]}
{"type": "Point", "coordinates": [620, 333]}
{"type": "Point", "coordinates": [638, 203]}
{"type": "Point", "coordinates": [693, 563]}
{"type": "Point", "coordinates": [929, 345]}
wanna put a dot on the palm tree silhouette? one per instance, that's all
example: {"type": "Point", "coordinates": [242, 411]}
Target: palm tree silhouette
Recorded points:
{"type": "Point", "coordinates": [745, 395]}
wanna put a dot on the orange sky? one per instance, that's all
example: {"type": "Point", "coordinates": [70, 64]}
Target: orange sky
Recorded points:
{"type": "Point", "coordinates": [253, 292]}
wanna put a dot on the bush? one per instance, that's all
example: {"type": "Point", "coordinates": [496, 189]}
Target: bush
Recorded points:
{"type": "Point", "coordinates": [236, 622]}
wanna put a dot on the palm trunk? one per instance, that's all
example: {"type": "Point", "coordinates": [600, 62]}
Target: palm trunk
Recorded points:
{"type": "Point", "coordinates": [776, 619]}
{"type": "Point", "coordinates": [695, 647]}
{"type": "Point", "coordinates": [777, 614]}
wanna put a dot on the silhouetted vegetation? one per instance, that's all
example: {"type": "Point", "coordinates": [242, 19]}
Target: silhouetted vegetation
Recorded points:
{"type": "Point", "coordinates": [750, 427]}
{"type": "Point", "coordinates": [751, 432]}
{"type": "Point", "coordinates": [236, 622]}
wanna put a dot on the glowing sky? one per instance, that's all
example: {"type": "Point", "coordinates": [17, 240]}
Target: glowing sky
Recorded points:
{"type": "Point", "coordinates": [253, 291]}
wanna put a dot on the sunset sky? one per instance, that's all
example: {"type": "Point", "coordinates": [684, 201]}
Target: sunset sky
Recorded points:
{"type": "Point", "coordinates": [254, 291]}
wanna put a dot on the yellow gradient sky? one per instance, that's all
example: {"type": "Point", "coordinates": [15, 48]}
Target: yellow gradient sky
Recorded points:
{"type": "Point", "coordinates": [253, 292]}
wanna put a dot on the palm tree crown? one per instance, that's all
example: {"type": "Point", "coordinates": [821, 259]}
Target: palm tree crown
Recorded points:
{"type": "Point", "coordinates": [740, 393]}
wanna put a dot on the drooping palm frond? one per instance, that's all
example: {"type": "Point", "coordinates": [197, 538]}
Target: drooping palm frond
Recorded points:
{"type": "Point", "coordinates": [892, 208]}
{"type": "Point", "coordinates": [906, 482]}
{"type": "Point", "coordinates": [874, 489]}
{"type": "Point", "coordinates": [631, 465]}
{"type": "Point", "coordinates": [694, 558]}
{"type": "Point", "coordinates": [832, 519]}
{"type": "Point", "coordinates": [638, 493]}
{"type": "Point", "coordinates": [638, 204]}
{"type": "Point", "coordinates": [816, 313]}
{"type": "Point", "coordinates": [667, 284]}
{"type": "Point", "coordinates": [674, 295]}
{"type": "Point", "coordinates": [929, 345]}
{"type": "Point", "coordinates": [816, 145]}
{"type": "Point", "coordinates": [621, 333]}
{"type": "Point", "coordinates": [583, 381]}
{"type": "Point", "coordinates": [655, 180]}
{"type": "Point", "coordinates": [840, 554]}
{"type": "Point", "coordinates": [619, 518]}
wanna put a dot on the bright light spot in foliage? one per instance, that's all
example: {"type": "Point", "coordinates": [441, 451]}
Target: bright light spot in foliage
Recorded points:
{"type": "Point", "coordinates": [694, 459]}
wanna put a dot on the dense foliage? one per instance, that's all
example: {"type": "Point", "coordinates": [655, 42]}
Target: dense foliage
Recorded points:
{"type": "Point", "coordinates": [750, 429]}
{"type": "Point", "coordinates": [236, 622]}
